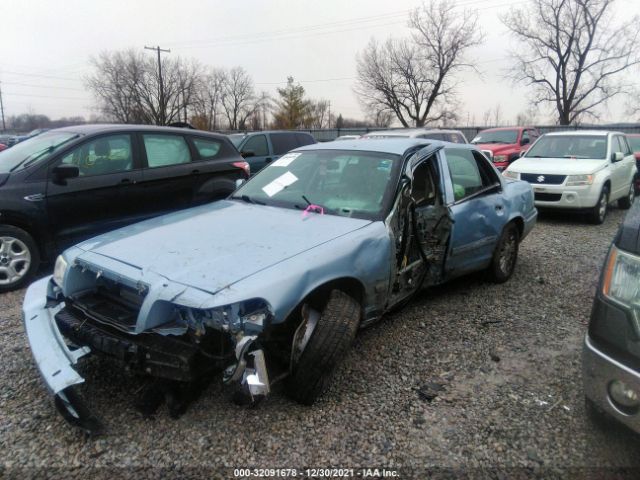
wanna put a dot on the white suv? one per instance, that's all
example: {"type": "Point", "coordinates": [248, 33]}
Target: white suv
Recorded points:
{"type": "Point", "coordinates": [583, 170]}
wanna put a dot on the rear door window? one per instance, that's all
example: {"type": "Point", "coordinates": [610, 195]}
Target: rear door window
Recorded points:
{"type": "Point", "coordinates": [304, 139]}
{"type": "Point", "coordinates": [258, 145]}
{"type": "Point", "coordinates": [283, 142]}
{"type": "Point", "coordinates": [207, 148]}
{"type": "Point", "coordinates": [165, 150]}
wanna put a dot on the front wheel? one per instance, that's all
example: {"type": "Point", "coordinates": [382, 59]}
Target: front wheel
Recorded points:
{"type": "Point", "coordinates": [19, 258]}
{"type": "Point", "coordinates": [599, 212]}
{"type": "Point", "coordinates": [322, 342]}
{"type": "Point", "coordinates": [626, 202]}
{"type": "Point", "coordinates": [505, 256]}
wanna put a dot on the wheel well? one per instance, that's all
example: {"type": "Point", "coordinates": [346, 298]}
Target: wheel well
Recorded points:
{"type": "Point", "coordinates": [520, 224]}
{"type": "Point", "coordinates": [348, 285]}
{"type": "Point", "coordinates": [607, 184]}
{"type": "Point", "coordinates": [27, 227]}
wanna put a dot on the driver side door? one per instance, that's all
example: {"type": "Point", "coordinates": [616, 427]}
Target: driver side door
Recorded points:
{"type": "Point", "coordinates": [102, 198]}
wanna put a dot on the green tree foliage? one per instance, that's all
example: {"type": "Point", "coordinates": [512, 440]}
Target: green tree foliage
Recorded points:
{"type": "Point", "coordinates": [292, 109]}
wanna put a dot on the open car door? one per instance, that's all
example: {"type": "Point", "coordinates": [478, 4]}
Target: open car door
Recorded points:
{"type": "Point", "coordinates": [420, 224]}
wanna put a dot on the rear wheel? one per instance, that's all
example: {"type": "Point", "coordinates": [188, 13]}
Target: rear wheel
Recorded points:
{"type": "Point", "coordinates": [19, 258]}
{"type": "Point", "coordinates": [599, 212]}
{"type": "Point", "coordinates": [626, 202]}
{"type": "Point", "coordinates": [320, 343]}
{"type": "Point", "coordinates": [506, 254]}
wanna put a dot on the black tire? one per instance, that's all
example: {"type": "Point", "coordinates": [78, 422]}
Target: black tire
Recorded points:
{"type": "Point", "coordinates": [13, 243]}
{"type": "Point", "coordinates": [505, 255]}
{"type": "Point", "coordinates": [626, 202]}
{"type": "Point", "coordinates": [598, 213]}
{"type": "Point", "coordinates": [331, 338]}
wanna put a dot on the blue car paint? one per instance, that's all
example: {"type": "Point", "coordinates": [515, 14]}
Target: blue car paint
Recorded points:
{"type": "Point", "coordinates": [225, 254]}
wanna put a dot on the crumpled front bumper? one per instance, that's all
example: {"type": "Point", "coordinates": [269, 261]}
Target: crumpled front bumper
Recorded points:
{"type": "Point", "coordinates": [53, 357]}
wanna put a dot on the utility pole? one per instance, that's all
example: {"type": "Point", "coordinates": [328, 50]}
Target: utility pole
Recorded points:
{"type": "Point", "coordinates": [2, 110]}
{"type": "Point", "coordinates": [163, 120]}
{"type": "Point", "coordinates": [329, 120]}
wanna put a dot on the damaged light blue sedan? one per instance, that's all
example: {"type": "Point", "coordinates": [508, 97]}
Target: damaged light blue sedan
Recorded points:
{"type": "Point", "coordinates": [273, 283]}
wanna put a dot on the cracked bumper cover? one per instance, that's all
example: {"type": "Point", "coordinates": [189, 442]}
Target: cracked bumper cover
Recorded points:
{"type": "Point", "coordinates": [54, 359]}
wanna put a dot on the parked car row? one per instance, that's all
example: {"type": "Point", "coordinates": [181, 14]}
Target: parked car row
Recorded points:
{"type": "Point", "coordinates": [273, 283]}
{"type": "Point", "coordinates": [579, 171]}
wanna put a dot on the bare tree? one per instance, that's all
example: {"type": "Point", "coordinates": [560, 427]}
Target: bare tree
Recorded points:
{"type": "Point", "coordinates": [413, 78]}
{"type": "Point", "coordinates": [208, 99]}
{"type": "Point", "coordinates": [572, 54]}
{"type": "Point", "coordinates": [238, 97]}
{"type": "Point", "coordinates": [319, 114]}
{"type": "Point", "coordinates": [127, 85]}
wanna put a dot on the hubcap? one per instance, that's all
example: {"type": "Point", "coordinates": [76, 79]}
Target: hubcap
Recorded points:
{"type": "Point", "coordinates": [508, 253]}
{"type": "Point", "coordinates": [602, 207]}
{"type": "Point", "coordinates": [15, 260]}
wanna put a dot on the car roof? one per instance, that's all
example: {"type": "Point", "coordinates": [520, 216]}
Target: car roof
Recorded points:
{"type": "Point", "coordinates": [93, 128]}
{"type": "Point", "coordinates": [496, 129]}
{"type": "Point", "coordinates": [246, 134]}
{"type": "Point", "coordinates": [583, 132]}
{"type": "Point", "coordinates": [410, 131]}
{"type": "Point", "coordinates": [394, 146]}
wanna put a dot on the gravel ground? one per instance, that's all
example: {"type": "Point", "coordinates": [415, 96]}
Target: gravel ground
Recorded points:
{"type": "Point", "coordinates": [505, 357]}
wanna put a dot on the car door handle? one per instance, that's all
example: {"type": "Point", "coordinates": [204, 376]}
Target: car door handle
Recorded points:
{"type": "Point", "coordinates": [499, 208]}
{"type": "Point", "coordinates": [195, 172]}
{"type": "Point", "coordinates": [268, 159]}
{"type": "Point", "coordinates": [126, 181]}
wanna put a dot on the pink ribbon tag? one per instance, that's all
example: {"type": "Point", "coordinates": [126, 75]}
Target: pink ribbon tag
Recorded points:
{"type": "Point", "coordinates": [313, 208]}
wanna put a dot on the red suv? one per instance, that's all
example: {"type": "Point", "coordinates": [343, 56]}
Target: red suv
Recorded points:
{"type": "Point", "coordinates": [504, 145]}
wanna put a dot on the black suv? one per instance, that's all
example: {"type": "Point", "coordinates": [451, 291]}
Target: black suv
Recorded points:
{"type": "Point", "coordinates": [611, 351]}
{"type": "Point", "coordinates": [69, 184]}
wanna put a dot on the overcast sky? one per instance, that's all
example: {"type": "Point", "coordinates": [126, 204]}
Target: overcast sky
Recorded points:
{"type": "Point", "coordinates": [46, 45]}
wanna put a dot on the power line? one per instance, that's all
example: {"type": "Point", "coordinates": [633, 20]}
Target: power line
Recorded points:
{"type": "Point", "coordinates": [41, 75]}
{"type": "Point", "coordinates": [44, 96]}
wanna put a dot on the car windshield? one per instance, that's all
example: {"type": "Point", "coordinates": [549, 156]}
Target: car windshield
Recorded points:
{"type": "Point", "coordinates": [33, 150]}
{"type": "Point", "coordinates": [236, 138]}
{"type": "Point", "coordinates": [496, 136]}
{"type": "Point", "coordinates": [342, 182]}
{"type": "Point", "coordinates": [570, 146]}
{"type": "Point", "coordinates": [635, 143]}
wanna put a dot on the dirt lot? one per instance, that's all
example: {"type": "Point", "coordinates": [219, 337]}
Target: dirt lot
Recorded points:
{"type": "Point", "coordinates": [504, 362]}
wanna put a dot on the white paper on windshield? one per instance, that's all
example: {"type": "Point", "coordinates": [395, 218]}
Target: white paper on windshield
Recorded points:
{"type": "Point", "coordinates": [285, 160]}
{"type": "Point", "coordinates": [279, 184]}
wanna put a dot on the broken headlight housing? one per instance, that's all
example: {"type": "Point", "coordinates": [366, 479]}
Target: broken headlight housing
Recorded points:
{"type": "Point", "coordinates": [60, 270]}
{"type": "Point", "coordinates": [250, 316]}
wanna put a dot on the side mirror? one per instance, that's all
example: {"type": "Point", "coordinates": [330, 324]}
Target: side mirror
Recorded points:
{"type": "Point", "coordinates": [63, 172]}
{"type": "Point", "coordinates": [617, 156]}
{"type": "Point", "coordinates": [240, 182]}
{"type": "Point", "coordinates": [525, 141]}
{"type": "Point", "coordinates": [247, 153]}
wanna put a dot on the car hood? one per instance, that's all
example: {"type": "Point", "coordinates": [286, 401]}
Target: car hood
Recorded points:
{"type": "Point", "coordinates": [497, 148]}
{"type": "Point", "coordinates": [215, 245]}
{"type": "Point", "coordinates": [557, 166]}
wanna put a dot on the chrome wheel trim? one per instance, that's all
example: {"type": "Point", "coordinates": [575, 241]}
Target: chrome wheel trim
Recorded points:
{"type": "Point", "coordinates": [15, 260]}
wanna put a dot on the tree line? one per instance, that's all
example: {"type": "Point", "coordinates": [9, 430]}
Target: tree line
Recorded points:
{"type": "Point", "coordinates": [572, 55]}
